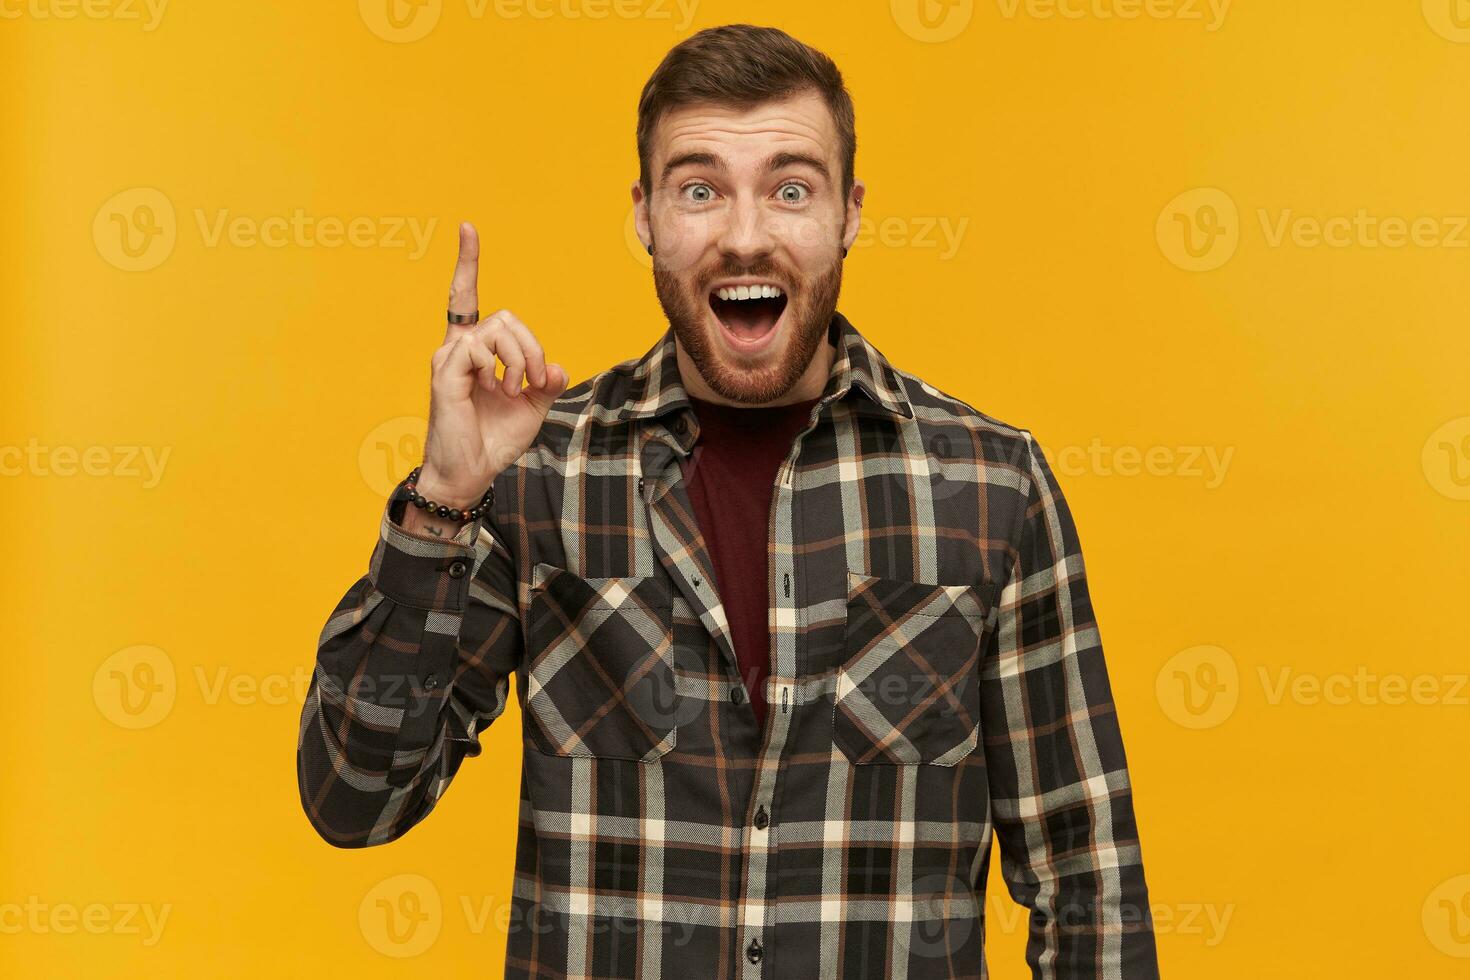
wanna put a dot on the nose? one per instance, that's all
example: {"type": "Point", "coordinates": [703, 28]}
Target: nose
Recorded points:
{"type": "Point", "coordinates": [746, 234]}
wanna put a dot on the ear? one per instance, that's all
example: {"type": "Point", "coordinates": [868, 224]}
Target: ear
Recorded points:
{"type": "Point", "coordinates": [640, 214]}
{"type": "Point", "coordinates": [852, 220]}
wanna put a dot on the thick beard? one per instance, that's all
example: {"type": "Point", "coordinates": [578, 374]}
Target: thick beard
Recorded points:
{"type": "Point", "coordinates": [810, 305]}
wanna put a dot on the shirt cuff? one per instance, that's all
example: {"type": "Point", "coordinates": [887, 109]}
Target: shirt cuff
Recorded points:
{"type": "Point", "coordinates": [421, 570]}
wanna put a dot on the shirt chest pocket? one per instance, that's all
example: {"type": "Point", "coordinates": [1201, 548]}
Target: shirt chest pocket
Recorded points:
{"type": "Point", "coordinates": [908, 689]}
{"type": "Point", "coordinates": [600, 665]}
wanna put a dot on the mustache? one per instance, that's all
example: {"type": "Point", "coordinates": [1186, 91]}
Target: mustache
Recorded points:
{"type": "Point", "coordinates": [763, 270]}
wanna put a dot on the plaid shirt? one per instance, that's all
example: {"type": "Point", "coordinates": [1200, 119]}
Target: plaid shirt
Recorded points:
{"type": "Point", "coordinates": [936, 675]}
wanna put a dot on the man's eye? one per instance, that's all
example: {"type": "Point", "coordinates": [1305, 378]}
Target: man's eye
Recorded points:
{"type": "Point", "coordinates": [792, 193]}
{"type": "Point", "coordinates": [699, 193]}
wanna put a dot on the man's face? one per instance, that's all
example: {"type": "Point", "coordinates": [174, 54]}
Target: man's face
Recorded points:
{"type": "Point", "coordinates": [748, 198]}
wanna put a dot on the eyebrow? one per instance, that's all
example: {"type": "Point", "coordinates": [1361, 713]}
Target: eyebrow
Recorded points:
{"type": "Point", "coordinates": [777, 161]}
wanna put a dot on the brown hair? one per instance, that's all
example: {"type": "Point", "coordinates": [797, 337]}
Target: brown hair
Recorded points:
{"type": "Point", "coordinates": [740, 66]}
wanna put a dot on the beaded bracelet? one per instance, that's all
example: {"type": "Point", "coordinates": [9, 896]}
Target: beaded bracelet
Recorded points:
{"type": "Point", "coordinates": [442, 510]}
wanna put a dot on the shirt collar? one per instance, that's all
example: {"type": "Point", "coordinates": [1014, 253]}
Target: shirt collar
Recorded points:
{"type": "Point", "coordinates": [654, 387]}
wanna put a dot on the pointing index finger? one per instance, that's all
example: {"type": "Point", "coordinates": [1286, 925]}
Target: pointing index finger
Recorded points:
{"type": "Point", "coordinates": [463, 289]}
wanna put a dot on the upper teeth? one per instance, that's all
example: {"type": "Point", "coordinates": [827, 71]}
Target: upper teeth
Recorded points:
{"type": "Point", "coordinates": [748, 292]}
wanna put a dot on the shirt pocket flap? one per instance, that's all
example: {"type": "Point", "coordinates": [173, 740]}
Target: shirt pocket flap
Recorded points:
{"type": "Point", "coordinates": [908, 688]}
{"type": "Point", "coordinates": [600, 665]}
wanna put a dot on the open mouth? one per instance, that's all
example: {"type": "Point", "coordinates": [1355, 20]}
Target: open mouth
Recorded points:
{"type": "Point", "coordinates": [748, 312]}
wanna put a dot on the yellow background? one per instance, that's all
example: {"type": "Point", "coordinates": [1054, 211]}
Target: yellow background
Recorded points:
{"type": "Point", "coordinates": [1285, 833]}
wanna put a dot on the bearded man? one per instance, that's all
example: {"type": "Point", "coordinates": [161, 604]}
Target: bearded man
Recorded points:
{"type": "Point", "coordinates": [794, 632]}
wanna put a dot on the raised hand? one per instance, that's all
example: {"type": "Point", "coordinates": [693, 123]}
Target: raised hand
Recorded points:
{"type": "Point", "coordinates": [479, 423]}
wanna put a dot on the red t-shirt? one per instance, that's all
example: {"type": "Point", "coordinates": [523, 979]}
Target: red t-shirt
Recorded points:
{"type": "Point", "coordinates": [731, 477]}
